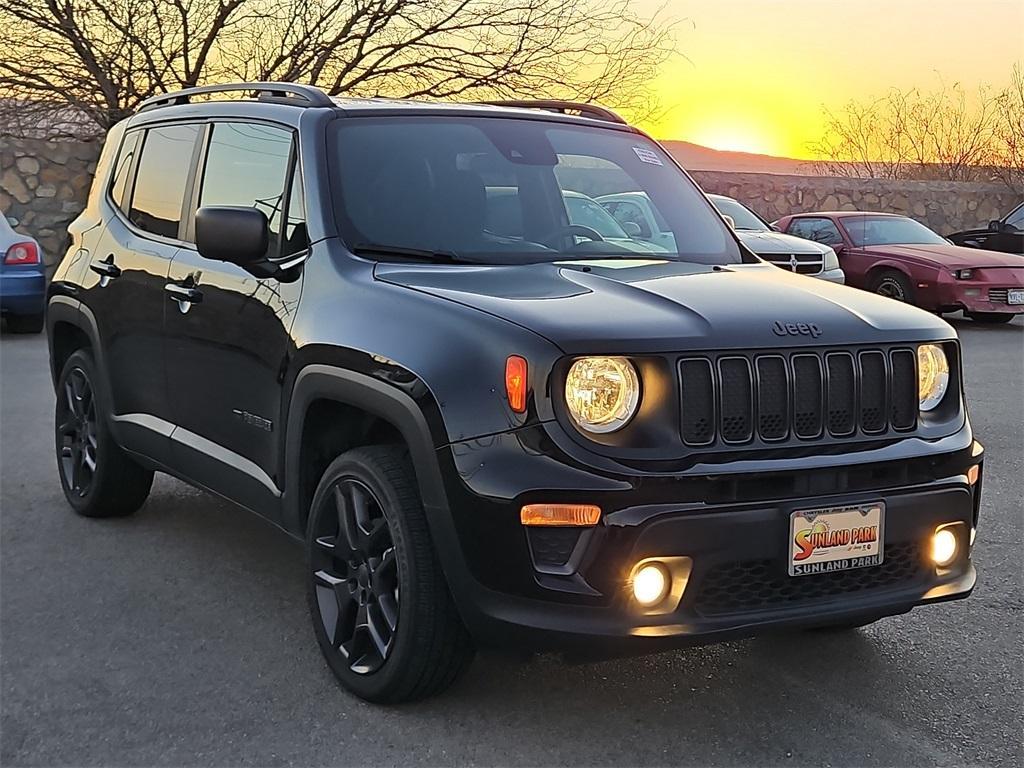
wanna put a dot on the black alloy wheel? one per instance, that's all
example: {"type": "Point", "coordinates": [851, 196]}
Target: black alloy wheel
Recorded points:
{"type": "Point", "coordinates": [355, 569]}
{"type": "Point", "coordinates": [379, 602]}
{"type": "Point", "coordinates": [78, 446]}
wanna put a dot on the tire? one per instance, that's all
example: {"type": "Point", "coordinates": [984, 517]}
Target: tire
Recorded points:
{"type": "Point", "coordinates": [25, 323]}
{"type": "Point", "coordinates": [893, 285]}
{"type": "Point", "coordinates": [381, 610]}
{"type": "Point", "coordinates": [991, 317]}
{"type": "Point", "coordinates": [114, 485]}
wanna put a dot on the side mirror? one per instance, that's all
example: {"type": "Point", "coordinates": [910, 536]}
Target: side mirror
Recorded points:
{"type": "Point", "coordinates": [995, 226]}
{"type": "Point", "coordinates": [235, 235]}
{"type": "Point", "coordinates": [631, 228]}
{"type": "Point", "coordinates": [838, 248]}
{"type": "Point", "coordinates": [729, 220]}
{"type": "Point", "coordinates": [776, 228]}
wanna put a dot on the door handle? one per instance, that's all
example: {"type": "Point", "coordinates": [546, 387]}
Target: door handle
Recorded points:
{"type": "Point", "coordinates": [107, 270]}
{"type": "Point", "coordinates": [186, 296]}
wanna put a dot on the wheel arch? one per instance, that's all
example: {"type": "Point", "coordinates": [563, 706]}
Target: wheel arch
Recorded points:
{"type": "Point", "coordinates": [71, 326]}
{"type": "Point", "coordinates": [381, 411]}
{"type": "Point", "coordinates": [878, 268]}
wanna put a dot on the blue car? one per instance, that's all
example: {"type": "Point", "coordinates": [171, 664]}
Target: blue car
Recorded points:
{"type": "Point", "coordinates": [22, 280]}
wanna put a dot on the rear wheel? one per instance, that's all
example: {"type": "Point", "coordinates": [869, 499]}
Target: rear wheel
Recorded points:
{"type": "Point", "coordinates": [99, 479]}
{"type": "Point", "coordinates": [991, 317]}
{"type": "Point", "coordinates": [25, 323]}
{"type": "Point", "coordinates": [893, 285]}
{"type": "Point", "coordinates": [380, 605]}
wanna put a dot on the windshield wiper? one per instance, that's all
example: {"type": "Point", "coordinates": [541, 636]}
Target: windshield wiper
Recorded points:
{"type": "Point", "coordinates": [419, 254]}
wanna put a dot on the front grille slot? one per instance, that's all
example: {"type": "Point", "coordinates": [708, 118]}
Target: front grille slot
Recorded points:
{"type": "Point", "coordinates": [904, 389]}
{"type": "Point", "coordinates": [999, 295]}
{"type": "Point", "coordinates": [737, 398]}
{"type": "Point", "coordinates": [698, 402]}
{"type": "Point", "coordinates": [872, 391]}
{"type": "Point", "coordinates": [759, 585]}
{"type": "Point", "coordinates": [841, 394]}
{"type": "Point", "coordinates": [772, 397]}
{"type": "Point", "coordinates": [807, 391]}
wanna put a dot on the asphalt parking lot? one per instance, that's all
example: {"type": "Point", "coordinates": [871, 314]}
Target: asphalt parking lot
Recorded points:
{"type": "Point", "coordinates": [180, 637]}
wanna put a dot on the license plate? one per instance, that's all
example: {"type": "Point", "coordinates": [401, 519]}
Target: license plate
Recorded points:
{"type": "Point", "coordinates": [835, 538]}
{"type": "Point", "coordinates": [1015, 297]}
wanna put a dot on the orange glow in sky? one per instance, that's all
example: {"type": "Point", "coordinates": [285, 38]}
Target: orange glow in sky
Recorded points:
{"type": "Point", "coordinates": [754, 75]}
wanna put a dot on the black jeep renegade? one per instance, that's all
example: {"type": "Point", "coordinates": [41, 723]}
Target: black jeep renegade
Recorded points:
{"type": "Point", "coordinates": [413, 335]}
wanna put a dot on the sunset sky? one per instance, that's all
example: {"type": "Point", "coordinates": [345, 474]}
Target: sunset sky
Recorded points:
{"type": "Point", "coordinates": [753, 75]}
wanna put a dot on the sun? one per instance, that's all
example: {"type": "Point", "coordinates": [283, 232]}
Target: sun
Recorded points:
{"type": "Point", "coordinates": [733, 139]}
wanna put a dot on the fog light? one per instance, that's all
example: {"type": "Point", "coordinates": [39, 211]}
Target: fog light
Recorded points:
{"type": "Point", "coordinates": [650, 584]}
{"type": "Point", "coordinates": [944, 547]}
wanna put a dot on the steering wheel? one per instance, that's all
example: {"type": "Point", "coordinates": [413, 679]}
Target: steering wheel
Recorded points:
{"type": "Point", "coordinates": [572, 230]}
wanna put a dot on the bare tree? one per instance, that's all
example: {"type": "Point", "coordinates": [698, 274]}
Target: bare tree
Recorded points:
{"type": "Point", "coordinates": [99, 58]}
{"type": "Point", "coordinates": [1008, 149]}
{"type": "Point", "coordinates": [913, 134]}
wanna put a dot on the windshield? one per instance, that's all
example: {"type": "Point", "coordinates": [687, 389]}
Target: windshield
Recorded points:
{"type": "Point", "coordinates": [496, 190]}
{"type": "Point", "coordinates": [745, 218]}
{"type": "Point", "coordinates": [889, 230]}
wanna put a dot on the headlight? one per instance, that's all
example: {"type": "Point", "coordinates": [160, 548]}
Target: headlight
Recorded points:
{"type": "Point", "coordinates": [932, 375]}
{"type": "Point", "coordinates": [831, 260]}
{"type": "Point", "coordinates": [602, 393]}
{"type": "Point", "coordinates": [963, 274]}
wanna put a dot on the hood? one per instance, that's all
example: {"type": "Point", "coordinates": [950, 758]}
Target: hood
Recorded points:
{"type": "Point", "coordinates": [777, 242]}
{"type": "Point", "coordinates": [949, 256]}
{"type": "Point", "coordinates": [650, 305]}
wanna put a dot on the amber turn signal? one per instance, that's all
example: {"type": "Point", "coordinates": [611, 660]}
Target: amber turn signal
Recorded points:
{"type": "Point", "coordinates": [560, 514]}
{"type": "Point", "coordinates": [972, 474]}
{"type": "Point", "coordinates": [515, 383]}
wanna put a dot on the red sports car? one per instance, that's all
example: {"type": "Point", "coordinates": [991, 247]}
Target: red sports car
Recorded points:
{"type": "Point", "coordinates": [903, 259]}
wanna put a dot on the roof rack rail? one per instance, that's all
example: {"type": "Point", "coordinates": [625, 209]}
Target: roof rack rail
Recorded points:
{"type": "Point", "coordinates": [562, 107]}
{"type": "Point", "coordinates": [307, 95]}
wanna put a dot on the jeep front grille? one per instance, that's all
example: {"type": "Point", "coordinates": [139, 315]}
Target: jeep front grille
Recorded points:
{"type": "Point", "coordinates": [739, 398]}
{"type": "Point", "coordinates": [801, 263]}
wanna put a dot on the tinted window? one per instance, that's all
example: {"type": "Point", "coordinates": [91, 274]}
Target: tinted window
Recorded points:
{"type": "Point", "coordinates": [296, 236]}
{"type": "Point", "coordinates": [246, 165]}
{"type": "Point", "coordinates": [119, 182]}
{"type": "Point", "coordinates": [494, 189]}
{"type": "Point", "coordinates": [819, 230]}
{"type": "Point", "coordinates": [160, 182]}
{"type": "Point", "coordinates": [742, 216]}
{"type": "Point", "coordinates": [889, 230]}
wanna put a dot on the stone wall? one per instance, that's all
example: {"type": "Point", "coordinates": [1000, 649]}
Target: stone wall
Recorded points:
{"type": "Point", "coordinates": [945, 206]}
{"type": "Point", "coordinates": [44, 185]}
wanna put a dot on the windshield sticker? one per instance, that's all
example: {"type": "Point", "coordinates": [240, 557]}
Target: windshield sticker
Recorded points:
{"type": "Point", "coordinates": [647, 156]}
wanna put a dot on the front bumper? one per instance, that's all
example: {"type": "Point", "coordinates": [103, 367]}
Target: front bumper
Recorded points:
{"type": "Point", "coordinates": [511, 594]}
{"type": "Point", "coordinates": [988, 294]}
{"type": "Point", "coordinates": [833, 276]}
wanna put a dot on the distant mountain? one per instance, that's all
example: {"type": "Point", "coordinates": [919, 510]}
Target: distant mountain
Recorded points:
{"type": "Point", "coordinates": [695, 157]}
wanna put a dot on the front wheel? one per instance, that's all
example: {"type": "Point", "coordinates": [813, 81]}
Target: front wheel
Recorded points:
{"type": "Point", "coordinates": [382, 613]}
{"type": "Point", "coordinates": [893, 285]}
{"type": "Point", "coordinates": [991, 317]}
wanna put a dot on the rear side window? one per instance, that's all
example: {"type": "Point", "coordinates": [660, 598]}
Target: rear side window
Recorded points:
{"type": "Point", "coordinates": [819, 230]}
{"type": "Point", "coordinates": [160, 182]}
{"type": "Point", "coordinates": [123, 167]}
{"type": "Point", "coordinates": [247, 165]}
